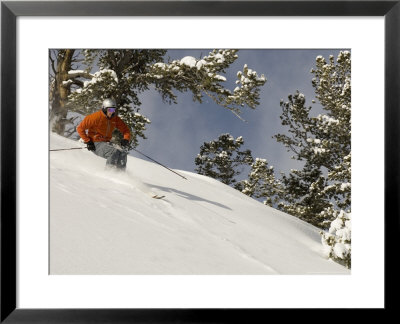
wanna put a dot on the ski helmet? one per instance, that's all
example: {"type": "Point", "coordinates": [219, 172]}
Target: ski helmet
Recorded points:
{"type": "Point", "coordinates": [109, 103]}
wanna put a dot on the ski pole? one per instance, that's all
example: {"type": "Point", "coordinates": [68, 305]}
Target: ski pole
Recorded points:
{"type": "Point", "coordinates": [67, 149]}
{"type": "Point", "coordinates": [160, 164]}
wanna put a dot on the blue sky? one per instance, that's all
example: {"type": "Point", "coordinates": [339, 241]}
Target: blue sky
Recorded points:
{"type": "Point", "coordinates": [177, 131]}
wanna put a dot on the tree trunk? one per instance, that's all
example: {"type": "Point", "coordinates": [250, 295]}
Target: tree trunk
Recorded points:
{"type": "Point", "coordinates": [61, 90]}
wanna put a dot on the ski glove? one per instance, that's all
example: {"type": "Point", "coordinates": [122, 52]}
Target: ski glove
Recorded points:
{"type": "Point", "coordinates": [124, 142]}
{"type": "Point", "coordinates": [90, 146]}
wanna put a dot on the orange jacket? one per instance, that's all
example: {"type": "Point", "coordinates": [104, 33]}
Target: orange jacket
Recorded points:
{"type": "Point", "coordinates": [100, 128]}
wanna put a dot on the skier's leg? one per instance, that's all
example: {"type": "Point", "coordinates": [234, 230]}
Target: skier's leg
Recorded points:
{"type": "Point", "coordinates": [108, 152]}
{"type": "Point", "coordinates": [122, 158]}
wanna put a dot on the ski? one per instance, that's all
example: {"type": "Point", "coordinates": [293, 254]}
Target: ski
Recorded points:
{"type": "Point", "coordinates": [157, 196]}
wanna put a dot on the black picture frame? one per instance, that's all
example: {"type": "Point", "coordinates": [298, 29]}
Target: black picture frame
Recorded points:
{"type": "Point", "coordinates": [10, 10]}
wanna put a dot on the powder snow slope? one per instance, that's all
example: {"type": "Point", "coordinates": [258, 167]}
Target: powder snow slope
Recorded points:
{"type": "Point", "coordinates": [104, 222]}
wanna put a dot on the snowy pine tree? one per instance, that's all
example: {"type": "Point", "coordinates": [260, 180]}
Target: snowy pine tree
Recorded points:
{"type": "Point", "coordinates": [222, 159]}
{"type": "Point", "coordinates": [262, 183]}
{"type": "Point", "coordinates": [319, 193]}
{"type": "Point", "coordinates": [124, 74]}
{"type": "Point", "coordinates": [323, 143]}
{"type": "Point", "coordinates": [204, 77]}
{"type": "Point", "coordinates": [337, 241]}
{"type": "Point", "coordinates": [120, 76]}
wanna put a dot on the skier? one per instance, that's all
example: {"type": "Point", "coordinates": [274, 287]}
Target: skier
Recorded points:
{"type": "Point", "coordinates": [99, 127]}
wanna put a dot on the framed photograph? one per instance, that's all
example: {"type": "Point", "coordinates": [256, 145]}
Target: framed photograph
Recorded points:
{"type": "Point", "coordinates": [60, 269]}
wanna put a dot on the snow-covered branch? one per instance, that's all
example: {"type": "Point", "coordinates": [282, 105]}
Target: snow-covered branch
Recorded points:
{"type": "Point", "coordinates": [203, 76]}
{"type": "Point", "coordinates": [73, 74]}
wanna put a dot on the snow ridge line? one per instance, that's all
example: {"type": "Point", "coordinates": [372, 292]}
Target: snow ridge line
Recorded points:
{"type": "Point", "coordinates": [247, 255]}
{"type": "Point", "coordinates": [236, 247]}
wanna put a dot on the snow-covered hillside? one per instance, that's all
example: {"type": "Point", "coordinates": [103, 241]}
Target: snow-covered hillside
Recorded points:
{"type": "Point", "coordinates": [103, 222]}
